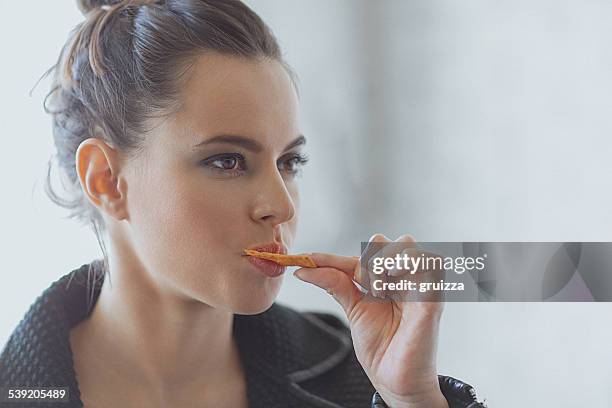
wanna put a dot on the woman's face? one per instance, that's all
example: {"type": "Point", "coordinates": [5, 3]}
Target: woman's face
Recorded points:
{"type": "Point", "coordinates": [218, 177]}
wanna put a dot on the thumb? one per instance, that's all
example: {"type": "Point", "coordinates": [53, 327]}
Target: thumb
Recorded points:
{"type": "Point", "coordinates": [335, 282]}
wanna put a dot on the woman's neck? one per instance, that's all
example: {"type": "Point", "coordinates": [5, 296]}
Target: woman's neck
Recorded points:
{"type": "Point", "coordinates": [153, 338]}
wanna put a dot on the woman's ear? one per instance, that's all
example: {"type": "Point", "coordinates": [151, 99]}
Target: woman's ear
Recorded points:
{"type": "Point", "coordinates": [98, 167]}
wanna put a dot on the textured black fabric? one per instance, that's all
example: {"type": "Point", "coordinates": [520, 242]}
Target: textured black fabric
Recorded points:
{"type": "Point", "coordinates": [457, 393]}
{"type": "Point", "coordinates": [279, 348]}
{"type": "Point", "coordinates": [290, 358]}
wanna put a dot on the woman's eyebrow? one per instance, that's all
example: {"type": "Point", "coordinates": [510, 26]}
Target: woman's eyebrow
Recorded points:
{"type": "Point", "coordinates": [246, 142]}
{"type": "Point", "coordinates": [300, 140]}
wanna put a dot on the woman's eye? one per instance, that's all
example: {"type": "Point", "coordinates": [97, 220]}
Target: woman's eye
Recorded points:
{"type": "Point", "coordinates": [226, 163]}
{"type": "Point", "coordinates": [293, 163]}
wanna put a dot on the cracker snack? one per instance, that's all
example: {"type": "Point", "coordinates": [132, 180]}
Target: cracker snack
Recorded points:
{"type": "Point", "coordinates": [285, 260]}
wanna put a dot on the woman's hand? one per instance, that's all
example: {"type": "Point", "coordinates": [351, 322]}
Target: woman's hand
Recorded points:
{"type": "Point", "coordinates": [395, 340]}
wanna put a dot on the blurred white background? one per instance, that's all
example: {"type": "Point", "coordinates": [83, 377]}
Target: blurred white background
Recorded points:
{"type": "Point", "coordinates": [450, 120]}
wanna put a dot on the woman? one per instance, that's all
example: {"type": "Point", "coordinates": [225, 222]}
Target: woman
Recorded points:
{"type": "Point", "coordinates": [176, 127]}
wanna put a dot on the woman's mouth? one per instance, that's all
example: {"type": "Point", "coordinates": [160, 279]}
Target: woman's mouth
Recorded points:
{"type": "Point", "coordinates": [268, 268]}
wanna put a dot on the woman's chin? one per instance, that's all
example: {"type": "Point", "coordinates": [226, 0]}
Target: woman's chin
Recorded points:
{"type": "Point", "coordinates": [251, 306]}
{"type": "Point", "coordinates": [244, 296]}
{"type": "Point", "coordinates": [255, 296]}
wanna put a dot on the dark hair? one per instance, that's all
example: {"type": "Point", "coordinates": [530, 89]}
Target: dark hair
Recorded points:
{"type": "Point", "coordinates": [123, 66]}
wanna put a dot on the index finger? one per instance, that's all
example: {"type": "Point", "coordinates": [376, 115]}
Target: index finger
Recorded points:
{"type": "Point", "coordinates": [347, 264]}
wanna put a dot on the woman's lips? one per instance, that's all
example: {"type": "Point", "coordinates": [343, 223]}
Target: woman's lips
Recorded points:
{"type": "Point", "coordinates": [268, 268]}
{"type": "Point", "coordinates": [273, 247]}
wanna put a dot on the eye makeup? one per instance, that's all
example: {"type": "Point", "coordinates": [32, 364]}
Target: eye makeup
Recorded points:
{"type": "Point", "coordinates": [234, 164]}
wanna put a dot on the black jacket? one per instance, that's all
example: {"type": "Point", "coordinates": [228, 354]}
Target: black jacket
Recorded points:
{"type": "Point", "coordinates": [291, 358]}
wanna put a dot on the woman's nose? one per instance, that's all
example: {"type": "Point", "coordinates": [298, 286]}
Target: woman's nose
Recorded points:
{"type": "Point", "coordinates": [273, 202]}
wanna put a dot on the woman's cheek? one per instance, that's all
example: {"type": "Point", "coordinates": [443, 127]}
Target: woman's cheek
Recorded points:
{"type": "Point", "coordinates": [209, 221]}
{"type": "Point", "coordinates": [165, 221]}
{"type": "Point", "coordinates": [193, 215]}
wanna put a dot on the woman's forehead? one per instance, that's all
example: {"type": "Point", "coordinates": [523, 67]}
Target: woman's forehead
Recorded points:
{"type": "Point", "coordinates": [231, 94]}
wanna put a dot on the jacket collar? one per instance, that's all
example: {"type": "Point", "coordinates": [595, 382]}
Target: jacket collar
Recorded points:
{"type": "Point", "coordinates": [289, 348]}
{"type": "Point", "coordinates": [280, 348]}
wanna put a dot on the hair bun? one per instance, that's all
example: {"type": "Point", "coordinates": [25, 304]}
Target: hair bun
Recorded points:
{"type": "Point", "coordinates": [87, 5]}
